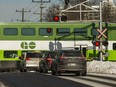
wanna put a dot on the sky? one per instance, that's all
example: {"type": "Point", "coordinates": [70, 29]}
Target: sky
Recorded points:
{"type": "Point", "coordinates": [8, 9]}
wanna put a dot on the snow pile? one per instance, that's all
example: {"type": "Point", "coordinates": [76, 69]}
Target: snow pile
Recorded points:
{"type": "Point", "coordinates": [101, 67]}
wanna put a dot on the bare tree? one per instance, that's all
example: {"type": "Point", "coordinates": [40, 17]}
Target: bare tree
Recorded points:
{"type": "Point", "coordinates": [51, 12]}
{"type": "Point", "coordinates": [109, 13]}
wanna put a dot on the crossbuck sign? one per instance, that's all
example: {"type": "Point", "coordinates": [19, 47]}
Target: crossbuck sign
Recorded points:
{"type": "Point", "coordinates": [102, 33]}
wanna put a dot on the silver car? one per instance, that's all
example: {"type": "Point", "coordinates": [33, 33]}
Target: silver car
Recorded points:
{"type": "Point", "coordinates": [30, 61]}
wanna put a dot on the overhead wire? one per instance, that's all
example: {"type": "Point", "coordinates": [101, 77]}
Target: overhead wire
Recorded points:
{"type": "Point", "coordinates": [34, 9]}
{"type": "Point", "coordinates": [13, 16]}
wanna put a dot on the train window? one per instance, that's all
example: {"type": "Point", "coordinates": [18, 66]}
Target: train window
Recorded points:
{"type": "Point", "coordinates": [28, 31]}
{"type": "Point", "coordinates": [63, 31]}
{"type": "Point", "coordinates": [80, 32]}
{"type": "Point", "coordinates": [114, 46]}
{"type": "Point", "coordinates": [45, 31]}
{"type": "Point", "coordinates": [10, 31]}
{"type": "Point", "coordinates": [10, 54]}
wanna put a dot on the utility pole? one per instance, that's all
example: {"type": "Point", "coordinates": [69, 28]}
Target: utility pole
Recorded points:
{"type": "Point", "coordinates": [67, 3]}
{"type": "Point", "coordinates": [101, 54]}
{"type": "Point", "coordinates": [41, 7]}
{"type": "Point", "coordinates": [23, 12]}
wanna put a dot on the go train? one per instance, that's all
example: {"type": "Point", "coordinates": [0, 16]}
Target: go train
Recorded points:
{"type": "Point", "coordinates": [16, 38]}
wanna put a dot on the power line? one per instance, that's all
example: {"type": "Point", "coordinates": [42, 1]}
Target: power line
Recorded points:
{"type": "Point", "coordinates": [41, 7]}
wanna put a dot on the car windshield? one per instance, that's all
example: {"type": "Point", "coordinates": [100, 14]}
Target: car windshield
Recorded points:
{"type": "Point", "coordinates": [72, 54]}
{"type": "Point", "coordinates": [34, 55]}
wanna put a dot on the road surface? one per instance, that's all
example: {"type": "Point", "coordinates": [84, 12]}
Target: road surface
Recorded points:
{"type": "Point", "coordinates": [34, 79]}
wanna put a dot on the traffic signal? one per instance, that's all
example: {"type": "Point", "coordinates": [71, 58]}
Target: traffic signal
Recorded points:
{"type": "Point", "coordinates": [63, 18]}
{"type": "Point", "coordinates": [105, 43]}
{"type": "Point", "coordinates": [56, 18]}
{"type": "Point", "coordinates": [96, 43]}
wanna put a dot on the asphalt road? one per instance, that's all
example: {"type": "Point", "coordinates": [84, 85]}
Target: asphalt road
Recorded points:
{"type": "Point", "coordinates": [31, 79]}
{"type": "Point", "coordinates": [34, 79]}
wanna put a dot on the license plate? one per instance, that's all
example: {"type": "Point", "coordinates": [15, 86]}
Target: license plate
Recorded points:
{"type": "Point", "coordinates": [71, 64]}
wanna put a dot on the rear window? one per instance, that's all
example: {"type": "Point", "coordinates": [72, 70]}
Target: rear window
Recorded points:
{"type": "Point", "coordinates": [52, 54]}
{"type": "Point", "coordinates": [34, 55]}
{"type": "Point", "coordinates": [72, 54]}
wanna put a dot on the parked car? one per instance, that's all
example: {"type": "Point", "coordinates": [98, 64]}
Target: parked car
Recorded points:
{"type": "Point", "coordinates": [30, 61]}
{"type": "Point", "coordinates": [69, 61]}
{"type": "Point", "coordinates": [46, 61]}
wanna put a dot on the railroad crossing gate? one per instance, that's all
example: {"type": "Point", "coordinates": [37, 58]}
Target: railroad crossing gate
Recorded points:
{"type": "Point", "coordinates": [101, 33]}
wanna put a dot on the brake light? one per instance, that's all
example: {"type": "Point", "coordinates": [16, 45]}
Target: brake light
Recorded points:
{"type": "Point", "coordinates": [62, 58]}
{"type": "Point", "coordinates": [49, 60]}
{"type": "Point", "coordinates": [28, 58]}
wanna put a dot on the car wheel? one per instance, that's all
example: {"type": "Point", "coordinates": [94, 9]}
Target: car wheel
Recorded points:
{"type": "Point", "coordinates": [57, 73]}
{"type": "Point", "coordinates": [84, 73]}
{"type": "Point", "coordinates": [44, 69]}
{"type": "Point", "coordinates": [40, 70]}
{"type": "Point", "coordinates": [53, 72]}
{"type": "Point", "coordinates": [77, 73]}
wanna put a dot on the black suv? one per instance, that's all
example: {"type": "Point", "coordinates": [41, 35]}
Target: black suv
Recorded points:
{"type": "Point", "coordinates": [46, 61]}
{"type": "Point", "coordinates": [69, 61]}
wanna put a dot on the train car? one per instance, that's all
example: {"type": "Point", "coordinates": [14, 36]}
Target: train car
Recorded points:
{"type": "Point", "coordinates": [16, 38]}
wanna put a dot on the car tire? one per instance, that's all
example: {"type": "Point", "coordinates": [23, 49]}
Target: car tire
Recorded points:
{"type": "Point", "coordinates": [53, 72]}
{"type": "Point", "coordinates": [44, 69]}
{"type": "Point", "coordinates": [41, 71]}
{"type": "Point", "coordinates": [77, 73]}
{"type": "Point", "coordinates": [84, 73]}
{"type": "Point", "coordinates": [57, 73]}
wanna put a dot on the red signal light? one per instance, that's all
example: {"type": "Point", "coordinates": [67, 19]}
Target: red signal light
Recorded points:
{"type": "Point", "coordinates": [56, 18]}
{"type": "Point", "coordinates": [97, 43]}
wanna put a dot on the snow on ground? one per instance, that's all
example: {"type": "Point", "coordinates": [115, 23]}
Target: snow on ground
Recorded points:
{"type": "Point", "coordinates": [101, 67]}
